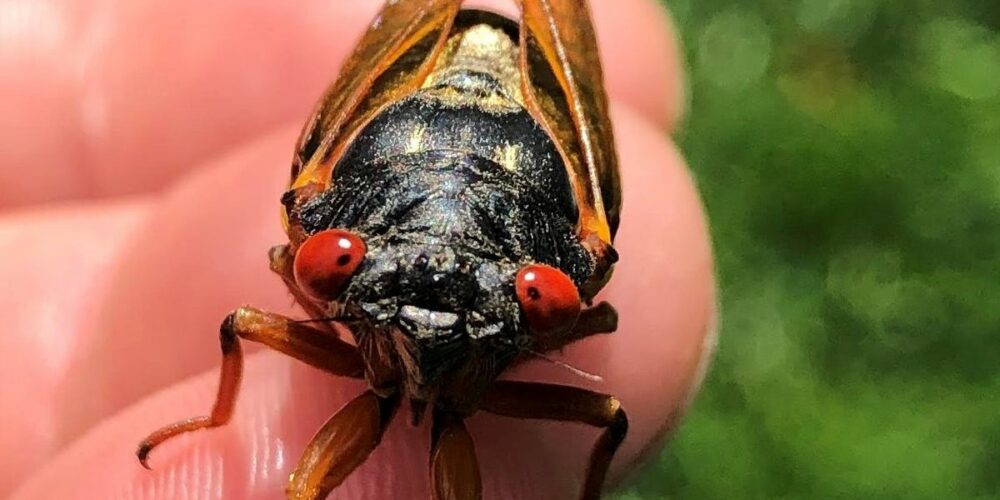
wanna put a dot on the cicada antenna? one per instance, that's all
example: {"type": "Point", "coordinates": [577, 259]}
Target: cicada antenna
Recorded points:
{"type": "Point", "coordinates": [566, 366]}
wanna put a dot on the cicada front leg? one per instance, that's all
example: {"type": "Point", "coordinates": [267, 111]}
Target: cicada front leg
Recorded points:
{"type": "Point", "coordinates": [597, 320]}
{"type": "Point", "coordinates": [305, 343]}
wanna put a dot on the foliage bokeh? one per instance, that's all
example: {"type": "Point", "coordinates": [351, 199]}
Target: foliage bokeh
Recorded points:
{"type": "Point", "coordinates": [848, 152]}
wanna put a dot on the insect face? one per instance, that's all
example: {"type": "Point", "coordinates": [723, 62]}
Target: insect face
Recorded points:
{"type": "Point", "coordinates": [444, 306]}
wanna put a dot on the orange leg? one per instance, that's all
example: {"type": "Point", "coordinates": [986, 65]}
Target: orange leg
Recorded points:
{"type": "Point", "coordinates": [571, 404]}
{"type": "Point", "coordinates": [302, 342]}
{"type": "Point", "coordinates": [454, 467]}
{"type": "Point", "coordinates": [340, 446]}
{"type": "Point", "coordinates": [599, 319]}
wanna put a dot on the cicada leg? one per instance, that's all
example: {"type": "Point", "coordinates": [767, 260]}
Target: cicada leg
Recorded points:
{"type": "Point", "coordinates": [454, 467]}
{"type": "Point", "coordinates": [340, 446]}
{"type": "Point", "coordinates": [600, 319]}
{"type": "Point", "coordinates": [316, 347]}
{"type": "Point", "coordinates": [572, 404]}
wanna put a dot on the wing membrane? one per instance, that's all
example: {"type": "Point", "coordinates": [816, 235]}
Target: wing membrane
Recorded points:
{"type": "Point", "coordinates": [392, 58]}
{"type": "Point", "coordinates": [565, 89]}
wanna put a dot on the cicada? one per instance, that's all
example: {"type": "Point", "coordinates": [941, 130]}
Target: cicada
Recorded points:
{"type": "Point", "coordinates": [453, 201]}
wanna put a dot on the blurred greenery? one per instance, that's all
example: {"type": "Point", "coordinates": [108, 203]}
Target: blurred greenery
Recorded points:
{"type": "Point", "coordinates": [848, 152]}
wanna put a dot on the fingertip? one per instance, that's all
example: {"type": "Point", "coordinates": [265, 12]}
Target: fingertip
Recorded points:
{"type": "Point", "coordinates": [665, 282]}
{"type": "Point", "coordinates": [642, 58]}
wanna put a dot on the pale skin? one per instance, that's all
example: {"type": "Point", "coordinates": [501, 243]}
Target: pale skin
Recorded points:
{"type": "Point", "coordinates": [112, 304]}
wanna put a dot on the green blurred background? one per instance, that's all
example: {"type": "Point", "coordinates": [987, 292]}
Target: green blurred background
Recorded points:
{"type": "Point", "coordinates": [848, 152]}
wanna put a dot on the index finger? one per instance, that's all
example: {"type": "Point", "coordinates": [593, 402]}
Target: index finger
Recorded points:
{"type": "Point", "coordinates": [111, 97]}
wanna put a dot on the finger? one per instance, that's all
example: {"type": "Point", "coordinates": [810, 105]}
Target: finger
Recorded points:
{"type": "Point", "coordinates": [663, 289]}
{"type": "Point", "coordinates": [106, 97]}
{"type": "Point", "coordinates": [642, 59]}
{"type": "Point", "coordinates": [51, 268]}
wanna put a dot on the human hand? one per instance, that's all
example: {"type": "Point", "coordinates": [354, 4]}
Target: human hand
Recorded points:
{"type": "Point", "coordinates": [112, 302]}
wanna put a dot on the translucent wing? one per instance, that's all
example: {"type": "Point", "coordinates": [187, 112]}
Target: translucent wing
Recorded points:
{"type": "Point", "coordinates": [393, 57]}
{"type": "Point", "coordinates": [564, 88]}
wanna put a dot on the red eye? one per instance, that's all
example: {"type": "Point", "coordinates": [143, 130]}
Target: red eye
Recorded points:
{"type": "Point", "coordinates": [326, 260]}
{"type": "Point", "coordinates": [548, 297]}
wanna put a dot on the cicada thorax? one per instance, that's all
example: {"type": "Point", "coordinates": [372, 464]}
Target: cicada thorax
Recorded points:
{"type": "Point", "coordinates": [554, 74]}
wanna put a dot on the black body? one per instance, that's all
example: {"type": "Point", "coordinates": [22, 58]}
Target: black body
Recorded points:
{"type": "Point", "coordinates": [447, 228]}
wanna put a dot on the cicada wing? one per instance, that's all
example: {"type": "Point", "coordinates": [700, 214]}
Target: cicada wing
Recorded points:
{"type": "Point", "coordinates": [392, 59]}
{"type": "Point", "coordinates": [564, 88]}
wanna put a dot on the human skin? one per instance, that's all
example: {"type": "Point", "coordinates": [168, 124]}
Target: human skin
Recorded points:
{"type": "Point", "coordinates": [164, 128]}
